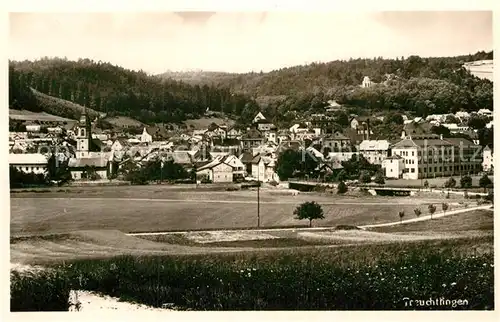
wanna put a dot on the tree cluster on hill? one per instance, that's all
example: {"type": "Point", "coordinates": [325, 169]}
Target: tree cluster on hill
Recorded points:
{"type": "Point", "coordinates": [414, 84]}
{"type": "Point", "coordinates": [420, 85]}
{"type": "Point", "coordinates": [118, 91]}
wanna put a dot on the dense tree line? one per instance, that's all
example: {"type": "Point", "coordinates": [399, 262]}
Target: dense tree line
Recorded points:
{"type": "Point", "coordinates": [157, 171]}
{"type": "Point", "coordinates": [19, 179]}
{"type": "Point", "coordinates": [117, 91]}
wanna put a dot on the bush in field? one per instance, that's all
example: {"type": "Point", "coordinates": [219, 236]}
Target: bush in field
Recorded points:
{"type": "Point", "coordinates": [444, 206]}
{"type": "Point", "coordinates": [137, 177]}
{"type": "Point", "coordinates": [341, 188]}
{"type": "Point", "coordinates": [309, 210]}
{"type": "Point", "coordinates": [485, 182]}
{"type": "Point", "coordinates": [341, 176]}
{"type": "Point", "coordinates": [401, 215]}
{"type": "Point", "coordinates": [379, 178]}
{"type": "Point", "coordinates": [39, 291]}
{"type": "Point", "coordinates": [432, 209]}
{"type": "Point", "coordinates": [466, 182]}
{"type": "Point", "coordinates": [450, 183]}
{"type": "Point", "coordinates": [417, 212]}
{"type": "Point", "coordinates": [365, 177]}
{"type": "Point", "coordinates": [489, 197]}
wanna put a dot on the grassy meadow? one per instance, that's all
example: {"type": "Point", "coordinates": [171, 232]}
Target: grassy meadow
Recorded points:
{"type": "Point", "coordinates": [367, 277]}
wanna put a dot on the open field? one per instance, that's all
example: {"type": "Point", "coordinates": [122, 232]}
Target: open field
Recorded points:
{"type": "Point", "coordinates": [150, 208]}
{"type": "Point", "coordinates": [24, 115]}
{"type": "Point", "coordinates": [375, 276]}
{"type": "Point", "coordinates": [123, 121]}
{"type": "Point", "coordinates": [203, 123]}
{"type": "Point", "coordinates": [480, 220]}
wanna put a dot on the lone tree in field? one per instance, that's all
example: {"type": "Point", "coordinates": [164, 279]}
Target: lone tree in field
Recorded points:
{"type": "Point", "coordinates": [379, 178]}
{"type": "Point", "coordinates": [444, 206]}
{"type": "Point", "coordinates": [309, 210]}
{"type": "Point", "coordinates": [484, 182]}
{"type": "Point", "coordinates": [432, 209]}
{"type": "Point", "coordinates": [417, 212]}
{"type": "Point", "coordinates": [466, 182]}
{"type": "Point", "coordinates": [341, 188]}
{"type": "Point", "coordinates": [401, 215]}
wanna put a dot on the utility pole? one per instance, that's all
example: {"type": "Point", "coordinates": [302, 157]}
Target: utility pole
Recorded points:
{"type": "Point", "coordinates": [258, 195]}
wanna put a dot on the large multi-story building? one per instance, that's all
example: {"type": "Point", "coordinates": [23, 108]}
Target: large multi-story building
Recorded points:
{"type": "Point", "coordinates": [432, 156]}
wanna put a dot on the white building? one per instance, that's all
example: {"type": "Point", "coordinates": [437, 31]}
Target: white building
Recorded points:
{"type": "Point", "coordinates": [271, 136]}
{"type": "Point", "coordinates": [29, 162]}
{"type": "Point", "coordinates": [394, 166]}
{"type": "Point", "coordinates": [79, 167]}
{"type": "Point", "coordinates": [146, 137]}
{"type": "Point", "coordinates": [485, 112]}
{"type": "Point", "coordinates": [455, 128]}
{"type": "Point", "coordinates": [33, 128]}
{"type": "Point", "coordinates": [258, 117]}
{"type": "Point", "coordinates": [366, 82]}
{"type": "Point", "coordinates": [431, 156]}
{"type": "Point", "coordinates": [462, 115]}
{"type": "Point", "coordinates": [487, 159]}
{"type": "Point", "coordinates": [375, 151]}
{"type": "Point", "coordinates": [263, 169]}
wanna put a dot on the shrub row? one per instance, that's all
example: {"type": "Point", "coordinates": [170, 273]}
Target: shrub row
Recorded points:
{"type": "Point", "coordinates": [39, 291]}
{"type": "Point", "coordinates": [284, 281]}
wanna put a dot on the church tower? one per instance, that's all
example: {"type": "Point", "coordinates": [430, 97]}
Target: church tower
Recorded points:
{"type": "Point", "coordinates": [82, 136]}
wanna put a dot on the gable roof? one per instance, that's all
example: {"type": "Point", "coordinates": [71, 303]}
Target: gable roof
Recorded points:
{"type": "Point", "coordinates": [336, 136]}
{"type": "Point", "coordinates": [246, 157]}
{"type": "Point", "coordinates": [82, 162]}
{"type": "Point", "coordinates": [252, 134]}
{"type": "Point", "coordinates": [374, 145]}
{"type": "Point", "coordinates": [27, 158]}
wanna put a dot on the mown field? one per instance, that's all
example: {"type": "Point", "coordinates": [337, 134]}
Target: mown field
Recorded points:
{"type": "Point", "coordinates": [158, 209]}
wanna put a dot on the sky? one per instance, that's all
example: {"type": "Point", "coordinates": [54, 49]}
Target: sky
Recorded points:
{"type": "Point", "coordinates": [245, 41]}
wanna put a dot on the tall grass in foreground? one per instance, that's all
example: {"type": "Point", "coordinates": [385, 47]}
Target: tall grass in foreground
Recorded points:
{"type": "Point", "coordinates": [362, 277]}
{"type": "Point", "coordinates": [39, 291]}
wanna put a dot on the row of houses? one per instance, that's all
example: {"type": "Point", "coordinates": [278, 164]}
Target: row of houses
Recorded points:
{"type": "Point", "coordinates": [224, 154]}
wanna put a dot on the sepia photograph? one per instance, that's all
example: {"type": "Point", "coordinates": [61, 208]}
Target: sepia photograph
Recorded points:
{"type": "Point", "coordinates": [251, 161]}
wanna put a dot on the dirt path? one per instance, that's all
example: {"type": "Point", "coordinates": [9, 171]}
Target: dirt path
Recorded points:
{"type": "Point", "coordinates": [88, 302]}
{"type": "Point", "coordinates": [253, 202]}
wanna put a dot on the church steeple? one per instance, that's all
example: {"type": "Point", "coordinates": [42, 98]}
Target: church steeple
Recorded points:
{"type": "Point", "coordinates": [83, 136]}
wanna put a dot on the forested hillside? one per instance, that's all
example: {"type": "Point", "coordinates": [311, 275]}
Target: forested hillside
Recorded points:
{"type": "Point", "coordinates": [414, 84]}
{"type": "Point", "coordinates": [420, 86]}
{"type": "Point", "coordinates": [117, 91]}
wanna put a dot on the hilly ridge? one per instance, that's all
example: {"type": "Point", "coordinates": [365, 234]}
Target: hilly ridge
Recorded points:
{"type": "Point", "coordinates": [415, 85]}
